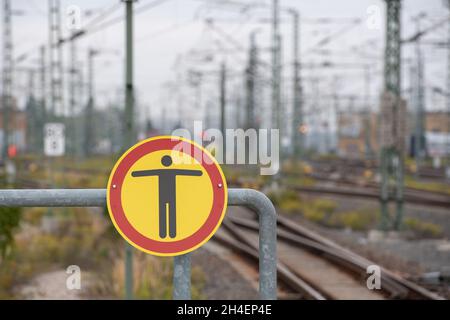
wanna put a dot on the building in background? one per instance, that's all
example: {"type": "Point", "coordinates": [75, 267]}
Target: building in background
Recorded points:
{"type": "Point", "coordinates": [437, 134]}
{"type": "Point", "coordinates": [354, 131]}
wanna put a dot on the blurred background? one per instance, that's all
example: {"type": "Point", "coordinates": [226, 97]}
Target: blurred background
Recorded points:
{"type": "Point", "coordinates": [360, 91]}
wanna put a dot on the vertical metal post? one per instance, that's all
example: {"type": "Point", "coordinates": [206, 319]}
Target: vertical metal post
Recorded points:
{"type": "Point", "coordinates": [81, 98]}
{"type": "Point", "coordinates": [7, 75]}
{"type": "Point", "coordinates": [297, 121]}
{"type": "Point", "coordinates": [399, 191]}
{"type": "Point", "coordinates": [419, 138]}
{"type": "Point", "coordinates": [251, 80]}
{"type": "Point", "coordinates": [73, 95]}
{"type": "Point", "coordinates": [55, 58]}
{"type": "Point", "coordinates": [336, 109]}
{"type": "Point", "coordinates": [182, 277]}
{"type": "Point", "coordinates": [129, 127]}
{"type": "Point", "coordinates": [258, 202]}
{"type": "Point", "coordinates": [281, 113]}
{"type": "Point", "coordinates": [391, 155]}
{"type": "Point", "coordinates": [384, 196]}
{"type": "Point", "coordinates": [43, 100]}
{"type": "Point", "coordinates": [275, 66]}
{"type": "Point", "coordinates": [31, 108]}
{"type": "Point", "coordinates": [128, 272]}
{"type": "Point", "coordinates": [89, 111]}
{"type": "Point", "coordinates": [129, 90]}
{"type": "Point", "coordinates": [447, 164]}
{"type": "Point", "coordinates": [276, 96]}
{"type": "Point", "coordinates": [223, 93]}
{"type": "Point", "coordinates": [368, 114]}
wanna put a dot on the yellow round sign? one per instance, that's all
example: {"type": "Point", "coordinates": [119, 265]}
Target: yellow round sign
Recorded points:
{"type": "Point", "coordinates": [167, 196]}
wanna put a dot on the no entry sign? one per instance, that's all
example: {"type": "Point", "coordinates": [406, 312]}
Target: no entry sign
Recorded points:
{"type": "Point", "coordinates": [167, 196]}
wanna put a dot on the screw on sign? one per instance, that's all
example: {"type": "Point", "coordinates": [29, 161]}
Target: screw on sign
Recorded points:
{"type": "Point", "coordinates": [167, 196]}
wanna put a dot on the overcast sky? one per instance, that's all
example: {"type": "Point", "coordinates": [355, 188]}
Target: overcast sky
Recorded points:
{"type": "Point", "coordinates": [176, 27]}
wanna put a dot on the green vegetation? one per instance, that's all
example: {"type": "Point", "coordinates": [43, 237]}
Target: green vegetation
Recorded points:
{"type": "Point", "coordinates": [318, 210]}
{"type": "Point", "coordinates": [422, 228]}
{"type": "Point", "coordinates": [81, 237]}
{"type": "Point", "coordinates": [152, 278]}
{"type": "Point", "coordinates": [324, 212]}
{"type": "Point", "coordinates": [9, 222]}
{"type": "Point", "coordinates": [75, 241]}
{"type": "Point", "coordinates": [427, 186]}
{"type": "Point", "coordinates": [303, 181]}
{"type": "Point", "coordinates": [361, 219]}
{"type": "Point", "coordinates": [86, 239]}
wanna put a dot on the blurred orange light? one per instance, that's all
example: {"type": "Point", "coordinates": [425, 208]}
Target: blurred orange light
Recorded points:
{"type": "Point", "coordinates": [12, 151]}
{"type": "Point", "coordinates": [303, 129]}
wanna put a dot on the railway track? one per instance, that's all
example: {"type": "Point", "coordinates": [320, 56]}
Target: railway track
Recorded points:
{"type": "Point", "coordinates": [349, 188]}
{"type": "Point", "coordinates": [369, 193]}
{"type": "Point", "coordinates": [412, 196]}
{"type": "Point", "coordinates": [343, 186]}
{"type": "Point", "coordinates": [311, 266]}
{"type": "Point", "coordinates": [343, 180]}
{"type": "Point", "coordinates": [315, 267]}
{"type": "Point", "coordinates": [365, 192]}
{"type": "Point", "coordinates": [346, 180]}
{"type": "Point", "coordinates": [350, 165]}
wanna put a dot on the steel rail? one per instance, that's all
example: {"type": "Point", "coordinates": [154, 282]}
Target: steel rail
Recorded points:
{"type": "Point", "coordinates": [285, 275]}
{"type": "Point", "coordinates": [292, 279]}
{"type": "Point", "coordinates": [300, 230]}
{"type": "Point", "coordinates": [344, 261]}
{"type": "Point", "coordinates": [370, 194]}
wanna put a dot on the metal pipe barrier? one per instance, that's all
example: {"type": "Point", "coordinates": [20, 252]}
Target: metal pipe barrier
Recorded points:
{"type": "Point", "coordinates": [252, 199]}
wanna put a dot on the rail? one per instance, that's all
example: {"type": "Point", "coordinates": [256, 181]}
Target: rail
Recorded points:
{"type": "Point", "coordinates": [252, 199]}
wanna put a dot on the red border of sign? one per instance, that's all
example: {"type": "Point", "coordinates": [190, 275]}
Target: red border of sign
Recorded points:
{"type": "Point", "coordinates": [115, 199]}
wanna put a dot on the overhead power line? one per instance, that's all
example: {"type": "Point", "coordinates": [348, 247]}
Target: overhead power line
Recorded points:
{"type": "Point", "coordinates": [93, 27]}
{"type": "Point", "coordinates": [423, 32]}
{"type": "Point", "coordinates": [115, 20]}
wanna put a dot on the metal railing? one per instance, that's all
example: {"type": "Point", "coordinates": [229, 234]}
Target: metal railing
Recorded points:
{"type": "Point", "coordinates": [252, 199]}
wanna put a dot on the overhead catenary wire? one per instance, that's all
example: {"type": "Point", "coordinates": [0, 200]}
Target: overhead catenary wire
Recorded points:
{"type": "Point", "coordinates": [104, 14]}
{"type": "Point", "coordinates": [93, 26]}
{"type": "Point", "coordinates": [118, 19]}
{"type": "Point", "coordinates": [423, 32]}
{"type": "Point", "coordinates": [334, 36]}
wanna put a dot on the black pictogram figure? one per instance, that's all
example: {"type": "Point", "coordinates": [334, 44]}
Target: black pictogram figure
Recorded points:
{"type": "Point", "coordinates": [167, 193]}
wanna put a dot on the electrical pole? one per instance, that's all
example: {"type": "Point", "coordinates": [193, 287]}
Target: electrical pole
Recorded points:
{"type": "Point", "coordinates": [336, 109]}
{"type": "Point", "coordinates": [275, 67]}
{"type": "Point", "coordinates": [89, 111]}
{"type": "Point", "coordinates": [447, 166]}
{"type": "Point", "coordinates": [43, 87]}
{"type": "Point", "coordinates": [73, 93]}
{"type": "Point", "coordinates": [129, 126]}
{"type": "Point", "coordinates": [55, 61]}
{"type": "Point", "coordinates": [7, 103]}
{"type": "Point", "coordinates": [419, 137]}
{"type": "Point", "coordinates": [368, 115]}
{"type": "Point", "coordinates": [129, 90]}
{"type": "Point", "coordinates": [223, 80]}
{"type": "Point", "coordinates": [281, 113]}
{"type": "Point", "coordinates": [33, 116]}
{"type": "Point", "coordinates": [393, 115]}
{"type": "Point", "coordinates": [251, 79]}
{"type": "Point", "coordinates": [81, 98]}
{"type": "Point", "coordinates": [297, 121]}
